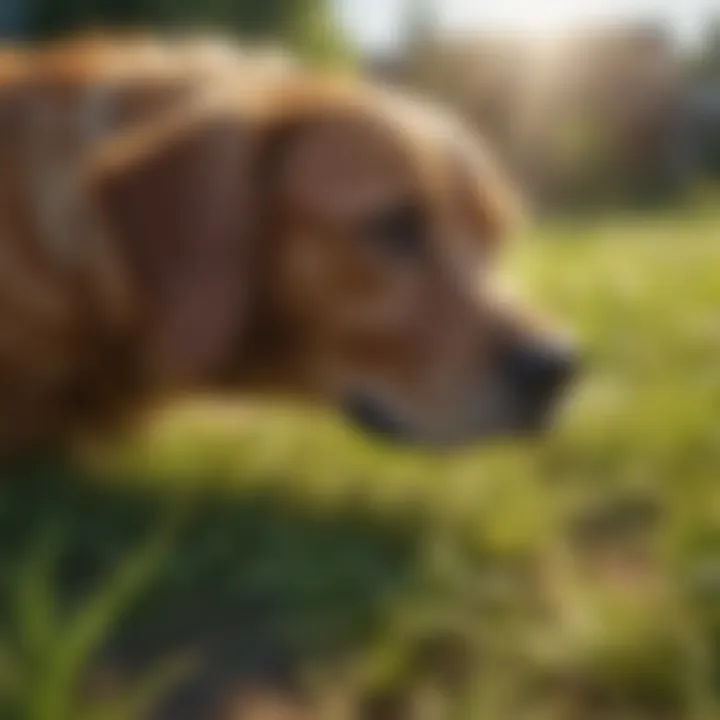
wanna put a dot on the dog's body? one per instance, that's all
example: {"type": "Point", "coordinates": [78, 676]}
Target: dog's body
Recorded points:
{"type": "Point", "coordinates": [177, 217]}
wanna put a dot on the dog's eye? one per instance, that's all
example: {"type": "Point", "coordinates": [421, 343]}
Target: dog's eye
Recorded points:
{"type": "Point", "coordinates": [400, 231]}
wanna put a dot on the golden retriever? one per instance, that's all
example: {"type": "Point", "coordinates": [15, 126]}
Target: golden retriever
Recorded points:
{"type": "Point", "coordinates": [177, 217]}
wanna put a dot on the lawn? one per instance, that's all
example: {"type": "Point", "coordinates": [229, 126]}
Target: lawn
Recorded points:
{"type": "Point", "coordinates": [577, 577]}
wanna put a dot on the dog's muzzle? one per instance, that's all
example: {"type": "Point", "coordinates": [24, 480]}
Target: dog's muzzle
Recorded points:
{"type": "Point", "coordinates": [519, 398]}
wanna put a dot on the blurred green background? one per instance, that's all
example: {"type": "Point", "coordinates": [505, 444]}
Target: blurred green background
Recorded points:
{"type": "Point", "coordinates": [264, 562]}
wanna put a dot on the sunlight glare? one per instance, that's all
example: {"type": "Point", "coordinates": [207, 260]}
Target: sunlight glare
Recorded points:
{"type": "Point", "coordinates": [530, 15]}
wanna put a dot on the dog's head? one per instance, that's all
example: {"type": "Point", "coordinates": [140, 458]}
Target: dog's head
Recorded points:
{"type": "Point", "coordinates": [334, 244]}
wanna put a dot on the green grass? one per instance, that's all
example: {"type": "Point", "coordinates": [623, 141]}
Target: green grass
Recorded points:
{"type": "Point", "coordinates": [577, 577]}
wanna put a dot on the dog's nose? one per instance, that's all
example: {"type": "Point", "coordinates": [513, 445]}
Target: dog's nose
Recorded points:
{"type": "Point", "coordinates": [541, 369]}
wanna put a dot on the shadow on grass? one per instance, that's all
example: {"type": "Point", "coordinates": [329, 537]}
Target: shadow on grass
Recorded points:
{"type": "Point", "coordinates": [122, 603]}
{"type": "Point", "coordinates": [106, 580]}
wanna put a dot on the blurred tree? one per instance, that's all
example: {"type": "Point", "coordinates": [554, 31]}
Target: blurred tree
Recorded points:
{"type": "Point", "coordinates": [421, 24]}
{"type": "Point", "coordinates": [707, 62]}
{"type": "Point", "coordinates": [312, 28]}
{"type": "Point", "coordinates": [306, 25]}
{"type": "Point", "coordinates": [421, 29]}
{"type": "Point", "coordinates": [705, 72]}
{"type": "Point", "coordinates": [12, 18]}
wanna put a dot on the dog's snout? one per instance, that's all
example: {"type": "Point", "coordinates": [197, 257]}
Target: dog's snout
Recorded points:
{"type": "Point", "coordinates": [541, 369]}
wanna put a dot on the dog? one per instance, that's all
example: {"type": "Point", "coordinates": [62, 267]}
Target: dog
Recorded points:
{"type": "Point", "coordinates": [178, 217]}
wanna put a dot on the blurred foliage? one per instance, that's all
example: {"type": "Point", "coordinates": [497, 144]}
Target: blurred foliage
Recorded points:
{"type": "Point", "coordinates": [575, 579]}
{"type": "Point", "coordinates": [49, 646]}
{"type": "Point", "coordinates": [604, 116]}
{"type": "Point", "coordinates": [706, 62]}
{"type": "Point", "coordinates": [306, 26]}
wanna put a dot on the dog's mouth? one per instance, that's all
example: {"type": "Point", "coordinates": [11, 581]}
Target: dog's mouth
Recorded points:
{"type": "Point", "coordinates": [501, 413]}
{"type": "Point", "coordinates": [379, 422]}
{"type": "Point", "coordinates": [372, 417]}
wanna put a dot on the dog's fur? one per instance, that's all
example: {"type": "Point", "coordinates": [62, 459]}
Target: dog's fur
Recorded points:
{"type": "Point", "coordinates": [177, 217]}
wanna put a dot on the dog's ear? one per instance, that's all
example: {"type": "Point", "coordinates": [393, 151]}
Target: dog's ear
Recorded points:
{"type": "Point", "coordinates": [175, 198]}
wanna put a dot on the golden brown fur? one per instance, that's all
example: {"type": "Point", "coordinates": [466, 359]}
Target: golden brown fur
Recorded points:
{"type": "Point", "coordinates": [177, 217]}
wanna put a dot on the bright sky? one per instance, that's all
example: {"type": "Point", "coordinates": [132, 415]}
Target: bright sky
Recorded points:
{"type": "Point", "coordinates": [375, 23]}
